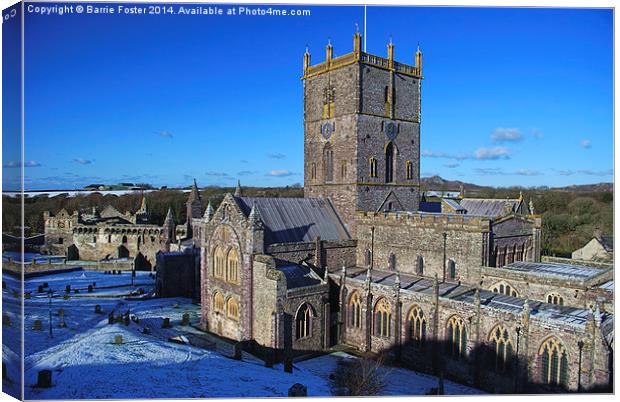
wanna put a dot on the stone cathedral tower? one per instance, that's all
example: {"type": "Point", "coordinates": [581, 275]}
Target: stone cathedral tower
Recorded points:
{"type": "Point", "coordinates": [362, 131]}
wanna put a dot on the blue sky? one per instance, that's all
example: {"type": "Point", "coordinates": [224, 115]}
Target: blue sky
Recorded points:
{"type": "Point", "coordinates": [510, 96]}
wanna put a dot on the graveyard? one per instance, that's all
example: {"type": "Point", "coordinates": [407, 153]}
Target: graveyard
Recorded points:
{"type": "Point", "coordinates": [111, 338]}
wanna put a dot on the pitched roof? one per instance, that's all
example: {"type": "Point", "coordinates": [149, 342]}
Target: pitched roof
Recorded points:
{"type": "Point", "coordinates": [293, 220]}
{"type": "Point", "coordinates": [298, 276]}
{"type": "Point", "coordinates": [556, 270]}
{"type": "Point", "coordinates": [490, 207]}
{"type": "Point", "coordinates": [607, 242]}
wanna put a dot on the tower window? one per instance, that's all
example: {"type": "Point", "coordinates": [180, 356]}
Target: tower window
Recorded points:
{"type": "Point", "coordinates": [451, 269]}
{"type": "Point", "coordinates": [420, 265]}
{"type": "Point", "coordinates": [109, 238]}
{"type": "Point", "coordinates": [313, 171]}
{"type": "Point", "coordinates": [372, 162]}
{"type": "Point", "coordinates": [409, 170]}
{"type": "Point", "coordinates": [389, 163]}
{"type": "Point", "coordinates": [392, 262]}
{"type": "Point", "coordinates": [328, 162]}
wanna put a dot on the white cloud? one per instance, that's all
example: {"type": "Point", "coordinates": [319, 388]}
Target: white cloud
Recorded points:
{"type": "Point", "coordinates": [587, 144]}
{"type": "Point", "coordinates": [276, 155]}
{"type": "Point", "coordinates": [279, 173]}
{"type": "Point", "coordinates": [502, 134]}
{"type": "Point", "coordinates": [165, 134]}
{"type": "Point", "coordinates": [492, 153]}
{"type": "Point", "coordinates": [82, 161]}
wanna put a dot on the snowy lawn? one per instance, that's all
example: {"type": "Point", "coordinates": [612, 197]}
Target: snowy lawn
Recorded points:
{"type": "Point", "coordinates": [86, 362]}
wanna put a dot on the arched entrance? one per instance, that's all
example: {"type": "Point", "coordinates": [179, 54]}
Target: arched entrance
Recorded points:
{"type": "Point", "coordinates": [73, 253]}
{"type": "Point", "coordinates": [389, 163]}
{"type": "Point", "coordinates": [123, 252]}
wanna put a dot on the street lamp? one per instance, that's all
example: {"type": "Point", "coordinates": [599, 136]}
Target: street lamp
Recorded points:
{"type": "Point", "coordinates": [580, 346]}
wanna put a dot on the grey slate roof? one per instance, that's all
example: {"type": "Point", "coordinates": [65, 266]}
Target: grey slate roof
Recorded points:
{"type": "Point", "coordinates": [293, 220]}
{"type": "Point", "coordinates": [608, 286]}
{"type": "Point", "coordinates": [556, 270]}
{"type": "Point", "coordinates": [607, 242]}
{"type": "Point", "coordinates": [454, 204]}
{"type": "Point", "coordinates": [489, 207]}
{"type": "Point", "coordinates": [298, 276]}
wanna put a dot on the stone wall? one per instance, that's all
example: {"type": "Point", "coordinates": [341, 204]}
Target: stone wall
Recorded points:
{"type": "Point", "coordinates": [408, 236]}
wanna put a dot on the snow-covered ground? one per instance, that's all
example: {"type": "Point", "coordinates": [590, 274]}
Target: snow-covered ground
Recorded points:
{"type": "Point", "coordinates": [86, 362]}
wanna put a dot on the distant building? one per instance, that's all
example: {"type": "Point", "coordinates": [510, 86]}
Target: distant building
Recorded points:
{"type": "Point", "coordinates": [600, 248]}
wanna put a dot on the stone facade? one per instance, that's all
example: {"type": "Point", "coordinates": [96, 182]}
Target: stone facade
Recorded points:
{"type": "Point", "coordinates": [362, 132]}
{"type": "Point", "coordinates": [109, 234]}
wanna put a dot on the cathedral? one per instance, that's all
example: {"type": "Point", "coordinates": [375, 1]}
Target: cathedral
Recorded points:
{"type": "Point", "coordinates": [361, 263]}
{"type": "Point", "coordinates": [357, 263]}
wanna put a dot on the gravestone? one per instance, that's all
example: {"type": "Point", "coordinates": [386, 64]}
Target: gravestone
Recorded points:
{"type": "Point", "coordinates": [298, 390]}
{"type": "Point", "coordinates": [27, 295]}
{"type": "Point", "coordinates": [166, 323]}
{"type": "Point", "coordinates": [185, 319]}
{"type": "Point", "coordinates": [146, 331]}
{"type": "Point", "coordinates": [40, 289]}
{"type": "Point", "coordinates": [97, 309]}
{"type": "Point", "coordinates": [44, 379]}
{"type": "Point", "coordinates": [90, 288]}
{"type": "Point", "coordinates": [37, 325]}
{"type": "Point", "coordinates": [66, 296]}
{"type": "Point", "coordinates": [111, 318]}
{"type": "Point", "coordinates": [61, 315]}
{"type": "Point", "coordinates": [126, 319]}
{"type": "Point", "coordinates": [118, 339]}
{"type": "Point", "coordinates": [76, 290]}
{"type": "Point", "coordinates": [68, 288]}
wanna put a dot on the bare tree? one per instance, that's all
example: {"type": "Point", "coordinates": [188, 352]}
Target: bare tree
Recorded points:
{"type": "Point", "coordinates": [359, 377]}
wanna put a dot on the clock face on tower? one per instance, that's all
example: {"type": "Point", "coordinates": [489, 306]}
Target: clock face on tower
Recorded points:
{"type": "Point", "coordinates": [327, 129]}
{"type": "Point", "coordinates": [390, 131]}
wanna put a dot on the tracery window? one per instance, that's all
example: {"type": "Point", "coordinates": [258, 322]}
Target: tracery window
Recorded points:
{"type": "Point", "coordinates": [504, 289]}
{"type": "Point", "coordinates": [232, 308]}
{"type": "Point", "coordinates": [389, 163]}
{"type": "Point", "coordinates": [355, 310]}
{"type": "Point", "coordinates": [328, 162]}
{"type": "Point", "coordinates": [553, 363]}
{"type": "Point", "coordinates": [232, 266]}
{"type": "Point", "coordinates": [554, 298]}
{"type": "Point", "coordinates": [383, 318]}
{"type": "Point", "coordinates": [218, 302]}
{"type": "Point", "coordinates": [416, 322]}
{"type": "Point", "coordinates": [456, 336]}
{"type": "Point", "coordinates": [501, 348]}
{"type": "Point", "coordinates": [219, 263]}
{"type": "Point", "coordinates": [303, 322]}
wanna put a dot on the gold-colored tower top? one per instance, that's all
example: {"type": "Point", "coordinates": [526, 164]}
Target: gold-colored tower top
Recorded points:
{"type": "Point", "coordinates": [358, 56]}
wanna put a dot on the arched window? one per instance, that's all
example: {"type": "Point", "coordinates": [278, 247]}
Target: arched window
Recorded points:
{"type": "Point", "coordinates": [328, 162]}
{"type": "Point", "coordinates": [303, 322]}
{"type": "Point", "coordinates": [109, 238]}
{"type": "Point", "coordinates": [554, 298]}
{"type": "Point", "coordinates": [95, 239]}
{"type": "Point", "coordinates": [313, 171]}
{"type": "Point", "coordinates": [232, 266]}
{"type": "Point", "coordinates": [218, 302]}
{"type": "Point", "coordinates": [232, 308]}
{"type": "Point", "coordinates": [219, 263]}
{"type": "Point", "coordinates": [389, 163]}
{"type": "Point", "coordinates": [451, 269]}
{"type": "Point", "coordinates": [416, 322]}
{"type": "Point", "coordinates": [409, 170]}
{"type": "Point", "coordinates": [501, 349]}
{"type": "Point", "coordinates": [383, 318]}
{"type": "Point", "coordinates": [420, 265]}
{"type": "Point", "coordinates": [372, 165]}
{"type": "Point", "coordinates": [504, 289]}
{"type": "Point", "coordinates": [124, 240]}
{"type": "Point", "coordinates": [392, 262]}
{"type": "Point", "coordinates": [355, 310]}
{"type": "Point", "coordinates": [456, 336]}
{"type": "Point", "coordinates": [553, 363]}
